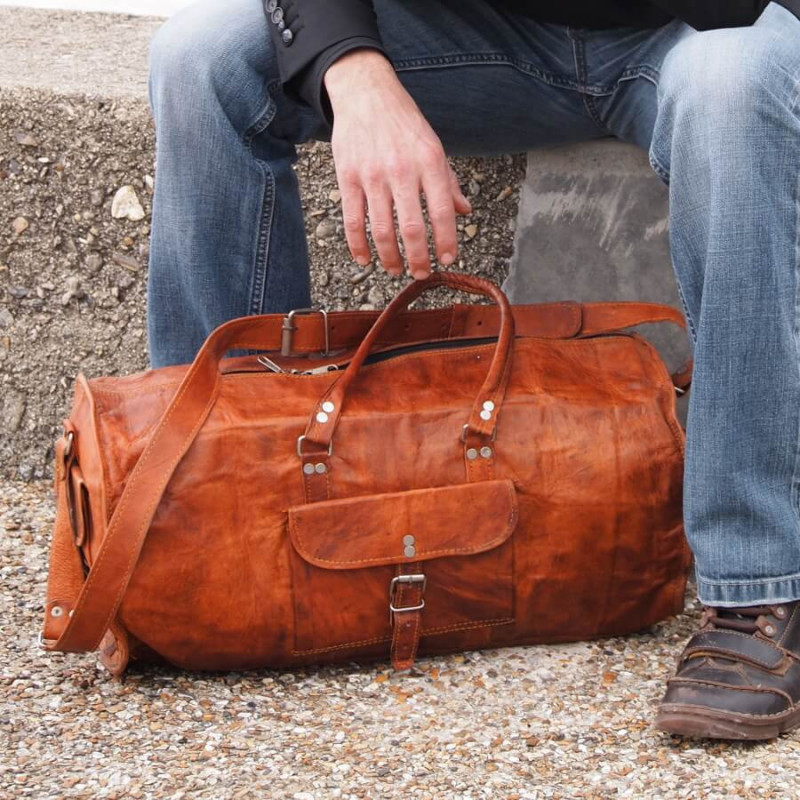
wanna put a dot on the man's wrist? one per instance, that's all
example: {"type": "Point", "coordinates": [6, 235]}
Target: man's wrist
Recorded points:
{"type": "Point", "coordinates": [363, 65]}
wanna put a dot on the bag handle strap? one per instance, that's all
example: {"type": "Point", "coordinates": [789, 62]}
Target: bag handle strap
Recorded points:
{"type": "Point", "coordinates": [607, 317]}
{"type": "Point", "coordinates": [100, 595]}
{"type": "Point", "coordinates": [322, 424]}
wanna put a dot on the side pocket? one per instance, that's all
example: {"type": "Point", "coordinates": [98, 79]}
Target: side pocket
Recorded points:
{"type": "Point", "coordinates": [345, 554]}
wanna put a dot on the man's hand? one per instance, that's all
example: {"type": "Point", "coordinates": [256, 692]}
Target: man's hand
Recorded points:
{"type": "Point", "coordinates": [386, 153]}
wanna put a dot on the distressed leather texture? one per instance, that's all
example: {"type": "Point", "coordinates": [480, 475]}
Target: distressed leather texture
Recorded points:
{"type": "Point", "coordinates": [497, 475]}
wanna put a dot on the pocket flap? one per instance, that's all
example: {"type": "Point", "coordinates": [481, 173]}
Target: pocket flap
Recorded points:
{"type": "Point", "coordinates": [375, 530]}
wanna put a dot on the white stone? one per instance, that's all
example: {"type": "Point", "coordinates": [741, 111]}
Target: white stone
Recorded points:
{"type": "Point", "coordinates": [126, 205]}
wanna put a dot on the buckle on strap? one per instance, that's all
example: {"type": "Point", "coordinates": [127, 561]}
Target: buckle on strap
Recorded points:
{"type": "Point", "coordinates": [288, 328]}
{"type": "Point", "coordinates": [400, 580]}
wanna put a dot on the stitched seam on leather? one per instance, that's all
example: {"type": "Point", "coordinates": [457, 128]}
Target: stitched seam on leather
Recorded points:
{"type": "Point", "coordinates": [683, 706]}
{"type": "Point", "coordinates": [702, 637]}
{"type": "Point", "coordinates": [162, 486]}
{"type": "Point", "coordinates": [733, 655]}
{"type": "Point", "coordinates": [728, 687]}
{"type": "Point", "coordinates": [787, 627]}
{"type": "Point", "coordinates": [135, 391]}
{"type": "Point", "coordinates": [110, 534]}
{"type": "Point", "coordinates": [492, 623]}
{"type": "Point", "coordinates": [294, 524]}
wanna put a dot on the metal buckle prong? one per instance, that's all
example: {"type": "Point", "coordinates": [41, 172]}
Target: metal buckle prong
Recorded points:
{"type": "Point", "coordinates": [288, 328]}
{"type": "Point", "coordinates": [405, 579]}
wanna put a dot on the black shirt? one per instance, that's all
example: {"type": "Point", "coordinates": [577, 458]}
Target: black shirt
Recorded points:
{"type": "Point", "coordinates": [310, 35]}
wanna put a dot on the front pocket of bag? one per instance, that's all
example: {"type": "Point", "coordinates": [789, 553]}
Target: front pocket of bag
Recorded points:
{"type": "Point", "coordinates": [345, 554]}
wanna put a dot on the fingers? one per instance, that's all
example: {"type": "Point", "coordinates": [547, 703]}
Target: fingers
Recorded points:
{"type": "Point", "coordinates": [381, 220]}
{"type": "Point", "coordinates": [399, 189]}
{"type": "Point", "coordinates": [412, 229]}
{"type": "Point", "coordinates": [354, 220]}
{"type": "Point", "coordinates": [462, 205]}
{"type": "Point", "coordinates": [441, 212]}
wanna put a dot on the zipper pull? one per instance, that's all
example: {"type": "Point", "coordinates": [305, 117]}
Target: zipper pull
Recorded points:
{"type": "Point", "coordinates": [321, 370]}
{"type": "Point", "coordinates": [270, 364]}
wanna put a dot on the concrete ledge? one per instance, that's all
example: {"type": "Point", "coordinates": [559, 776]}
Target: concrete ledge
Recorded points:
{"type": "Point", "coordinates": [593, 225]}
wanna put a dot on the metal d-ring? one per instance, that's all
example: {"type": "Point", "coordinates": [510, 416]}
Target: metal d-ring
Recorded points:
{"type": "Point", "coordinates": [301, 439]}
{"type": "Point", "coordinates": [464, 433]}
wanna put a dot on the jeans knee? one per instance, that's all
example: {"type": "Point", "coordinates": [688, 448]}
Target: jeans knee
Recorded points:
{"type": "Point", "coordinates": [727, 82]}
{"type": "Point", "coordinates": [212, 54]}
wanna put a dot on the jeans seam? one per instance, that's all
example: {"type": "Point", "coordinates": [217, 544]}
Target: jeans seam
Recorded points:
{"type": "Point", "coordinates": [579, 59]}
{"type": "Point", "coordinates": [749, 581]}
{"type": "Point", "coordinates": [686, 312]}
{"type": "Point", "coordinates": [640, 71]}
{"type": "Point", "coordinates": [795, 490]}
{"type": "Point", "coordinates": [260, 262]}
{"type": "Point", "coordinates": [485, 59]}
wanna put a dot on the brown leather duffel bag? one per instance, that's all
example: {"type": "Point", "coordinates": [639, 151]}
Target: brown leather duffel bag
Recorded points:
{"type": "Point", "coordinates": [442, 480]}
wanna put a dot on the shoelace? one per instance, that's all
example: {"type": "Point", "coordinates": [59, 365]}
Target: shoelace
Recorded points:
{"type": "Point", "coordinates": [744, 620]}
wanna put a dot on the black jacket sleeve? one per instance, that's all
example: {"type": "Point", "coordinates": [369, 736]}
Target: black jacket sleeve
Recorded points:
{"type": "Point", "coordinates": [706, 14]}
{"type": "Point", "coordinates": [310, 35]}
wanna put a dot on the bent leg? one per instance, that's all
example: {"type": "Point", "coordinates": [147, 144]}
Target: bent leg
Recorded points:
{"type": "Point", "coordinates": [228, 237]}
{"type": "Point", "coordinates": [727, 138]}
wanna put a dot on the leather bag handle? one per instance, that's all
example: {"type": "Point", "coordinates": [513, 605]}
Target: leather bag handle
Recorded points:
{"type": "Point", "coordinates": [95, 604]}
{"type": "Point", "coordinates": [325, 417]}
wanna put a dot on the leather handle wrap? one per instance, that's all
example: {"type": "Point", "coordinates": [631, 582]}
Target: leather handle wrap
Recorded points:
{"type": "Point", "coordinates": [324, 419]}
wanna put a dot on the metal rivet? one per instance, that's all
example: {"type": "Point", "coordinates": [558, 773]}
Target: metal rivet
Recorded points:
{"type": "Point", "coordinates": [320, 468]}
{"type": "Point", "coordinates": [486, 414]}
{"type": "Point", "coordinates": [472, 454]}
{"type": "Point", "coordinates": [780, 612]}
{"type": "Point", "coordinates": [486, 452]}
{"type": "Point", "coordinates": [56, 611]}
{"type": "Point", "coordinates": [488, 406]}
{"type": "Point", "coordinates": [328, 406]}
{"type": "Point", "coordinates": [272, 5]}
{"type": "Point", "coordinates": [409, 540]}
{"type": "Point", "coordinates": [308, 469]}
{"type": "Point", "coordinates": [322, 417]}
{"type": "Point", "coordinates": [287, 36]}
{"type": "Point", "coordinates": [769, 630]}
{"type": "Point", "coordinates": [409, 552]}
{"type": "Point", "coordinates": [277, 15]}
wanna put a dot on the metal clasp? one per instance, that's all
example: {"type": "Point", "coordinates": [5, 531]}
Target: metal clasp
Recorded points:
{"type": "Point", "coordinates": [405, 579]}
{"type": "Point", "coordinates": [70, 437]}
{"type": "Point", "coordinates": [465, 427]}
{"type": "Point", "coordinates": [288, 329]}
{"type": "Point", "coordinates": [301, 439]}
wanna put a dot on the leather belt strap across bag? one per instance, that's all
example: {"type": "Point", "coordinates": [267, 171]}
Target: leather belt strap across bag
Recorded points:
{"type": "Point", "coordinates": [373, 486]}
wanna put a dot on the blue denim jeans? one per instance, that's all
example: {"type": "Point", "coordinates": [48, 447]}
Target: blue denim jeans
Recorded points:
{"type": "Point", "coordinates": [719, 113]}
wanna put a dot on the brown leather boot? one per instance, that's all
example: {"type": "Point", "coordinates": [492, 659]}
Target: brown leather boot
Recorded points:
{"type": "Point", "coordinates": [738, 677]}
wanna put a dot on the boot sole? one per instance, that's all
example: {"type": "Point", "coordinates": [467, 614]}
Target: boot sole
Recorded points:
{"type": "Point", "coordinates": [700, 723]}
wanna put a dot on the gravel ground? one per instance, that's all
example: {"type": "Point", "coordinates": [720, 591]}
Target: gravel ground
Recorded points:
{"type": "Point", "coordinates": [570, 721]}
